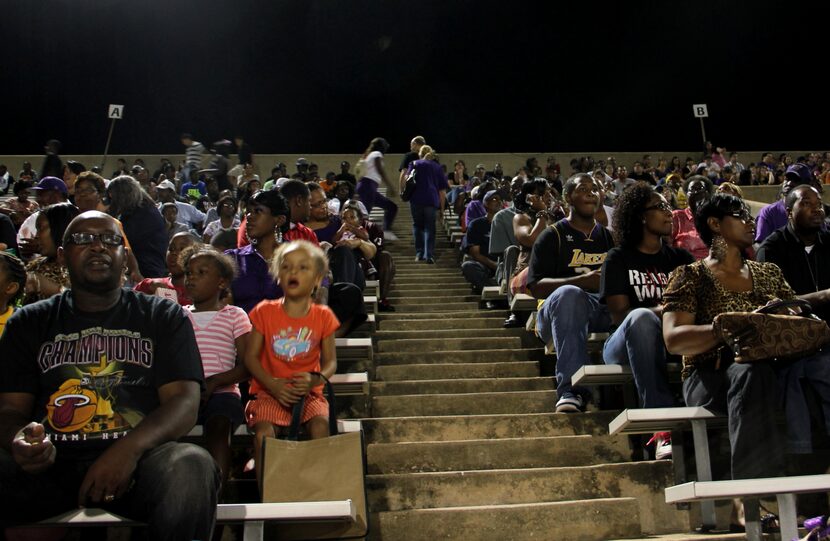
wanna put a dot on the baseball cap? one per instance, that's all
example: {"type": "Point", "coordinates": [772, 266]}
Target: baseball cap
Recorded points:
{"type": "Point", "coordinates": [799, 171]}
{"type": "Point", "coordinates": [166, 185]}
{"type": "Point", "coordinates": [302, 161]}
{"type": "Point", "coordinates": [489, 195]}
{"type": "Point", "coordinates": [51, 183]}
{"type": "Point", "coordinates": [480, 166]}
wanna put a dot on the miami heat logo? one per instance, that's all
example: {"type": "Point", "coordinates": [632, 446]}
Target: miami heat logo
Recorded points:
{"type": "Point", "coordinates": [71, 407]}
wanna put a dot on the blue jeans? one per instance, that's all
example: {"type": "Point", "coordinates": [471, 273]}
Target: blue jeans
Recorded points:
{"type": "Point", "coordinates": [816, 371]}
{"type": "Point", "coordinates": [638, 343]}
{"type": "Point", "coordinates": [367, 189]}
{"type": "Point", "coordinates": [477, 274]}
{"type": "Point", "coordinates": [454, 193]}
{"type": "Point", "coordinates": [423, 229]}
{"type": "Point", "coordinates": [748, 394]}
{"type": "Point", "coordinates": [567, 316]}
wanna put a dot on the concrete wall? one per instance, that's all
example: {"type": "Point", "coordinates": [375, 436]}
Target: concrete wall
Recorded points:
{"type": "Point", "coordinates": [331, 162]}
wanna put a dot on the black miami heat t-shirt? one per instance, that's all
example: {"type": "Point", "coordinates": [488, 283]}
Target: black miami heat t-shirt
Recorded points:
{"type": "Point", "coordinates": [95, 376]}
{"type": "Point", "coordinates": [642, 277]}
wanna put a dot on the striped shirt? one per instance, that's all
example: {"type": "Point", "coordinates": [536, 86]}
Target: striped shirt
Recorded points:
{"type": "Point", "coordinates": [216, 333]}
{"type": "Point", "coordinates": [193, 154]}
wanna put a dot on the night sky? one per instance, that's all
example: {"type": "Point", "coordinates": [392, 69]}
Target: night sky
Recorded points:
{"type": "Point", "coordinates": [472, 76]}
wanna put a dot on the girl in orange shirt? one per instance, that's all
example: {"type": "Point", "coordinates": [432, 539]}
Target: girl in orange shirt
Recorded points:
{"type": "Point", "coordinates": [292, 338]}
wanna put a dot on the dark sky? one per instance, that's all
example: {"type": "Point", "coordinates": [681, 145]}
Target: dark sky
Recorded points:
{"type": "Point", "coordinates": [472, 76]}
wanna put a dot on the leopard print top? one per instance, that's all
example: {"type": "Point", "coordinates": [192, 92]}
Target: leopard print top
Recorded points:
{"type": "Point", "coordinates": [694, 289]}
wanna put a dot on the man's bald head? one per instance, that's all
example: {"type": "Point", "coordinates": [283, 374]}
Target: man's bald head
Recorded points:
{"type": "Point", "coordinates": [76, 224]}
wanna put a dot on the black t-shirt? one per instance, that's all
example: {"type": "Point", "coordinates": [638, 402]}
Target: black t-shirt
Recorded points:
{"type": "Point", "coordinates": [562, 252]}
{"type": "Point", "coordinates": [8, 235]}
{"type": "Point", "coordinates": [95, 376]}
{"type": "Point", "coordinates": [478, 234]}
{"type": "Point", "coordinates": [806, 272]}
{"type": "Point", "coordinates": [408, 158]}
{"type": "Point", "coordinates": [640, 276]}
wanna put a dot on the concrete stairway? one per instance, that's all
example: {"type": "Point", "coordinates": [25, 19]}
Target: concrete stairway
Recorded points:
{"type": "Point", "coordinates": [462, 442]}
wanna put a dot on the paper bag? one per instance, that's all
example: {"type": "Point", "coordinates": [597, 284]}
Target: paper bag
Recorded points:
{"type": "Point", "coordinates": [317, 470]}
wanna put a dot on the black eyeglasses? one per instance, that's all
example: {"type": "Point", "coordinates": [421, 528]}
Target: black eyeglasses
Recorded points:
{"type": "Point", "coordinates": [107, 239]}
{"type": "Point", "coordinates": [659, 206]}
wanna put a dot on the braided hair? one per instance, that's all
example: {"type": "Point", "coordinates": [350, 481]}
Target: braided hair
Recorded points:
{"type": "Point", "coordinates": [16, 270]}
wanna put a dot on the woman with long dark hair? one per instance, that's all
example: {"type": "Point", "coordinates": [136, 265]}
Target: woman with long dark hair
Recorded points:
{"type": "Point", "coordinates": [46, 276]}
{"type": "Point", "coordinates": [142, 223]}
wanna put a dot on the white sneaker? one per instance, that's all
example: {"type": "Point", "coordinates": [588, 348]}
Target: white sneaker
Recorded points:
{"type": "Point", "coordinates": [570, 404]}
{"type": "Point", "coordinates": [388, 235]}
{"type": "Point", "coordinates": [662, 445]}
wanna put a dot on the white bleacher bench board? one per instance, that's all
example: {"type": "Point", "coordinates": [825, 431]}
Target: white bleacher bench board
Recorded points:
{"type": "Point", "coordinates": [373, 286]}
{"type": "Point", "coordinates": [523, 303]}
{"type": "Point", "coordinates": [612, 374]}
{"type": "Point", "coordinates": [253, 515]}
{"type": "Point", "coordinates": [650, 420]}
{"type": "Point", "coordinates": [354, 348]}
{"type": "Point", "coordinates": [783, 488]}
{"type": "Point", "coordinates": [371, 303]}
{"type": "Point", "coordinates": [492, 293]}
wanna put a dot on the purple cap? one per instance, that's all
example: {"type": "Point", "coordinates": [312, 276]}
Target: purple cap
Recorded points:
{"type": "Point", "coordinates": [799, 171]}
{"type": "Point", "coordinates": [489, 195]}
{"type": "Point", "coordinates": [51, 183]}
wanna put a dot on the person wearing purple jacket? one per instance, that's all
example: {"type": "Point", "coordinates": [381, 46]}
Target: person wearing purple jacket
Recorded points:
{"type": "Point", "coordinates": [774, 216]}
{"type": "Point", "coordinates": [430, 192]}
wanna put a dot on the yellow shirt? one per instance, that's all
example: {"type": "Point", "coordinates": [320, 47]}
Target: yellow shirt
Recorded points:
{"type": "Point", "coordinates": [4, 318]}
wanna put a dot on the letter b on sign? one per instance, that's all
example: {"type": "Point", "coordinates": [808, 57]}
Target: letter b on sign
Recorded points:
{"type": "Point", "coordinates": [700, 110]}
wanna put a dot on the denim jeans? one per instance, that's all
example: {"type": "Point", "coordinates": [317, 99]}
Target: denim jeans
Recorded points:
{"type": "Point", "coordinates": [567, 316]}
{"type": "Point", "coordinates": [423, 229]}
{"type": "Point", "coordinates": [477, 274]}
{"type": "Point", "coordinates": [454, 193]}
{"type": "Point", "coordinates": [638, 343]}
{"type": "Point", "coordinates": [367, 189]}
{"type": "Point", "coordinates": [345, 266]}
{"type": "Point", "coordinates": [748, 394]}
{"type": "Point", "coordinates": [814, 370]}
{"type": "Point", "coordinates": [175, 492]}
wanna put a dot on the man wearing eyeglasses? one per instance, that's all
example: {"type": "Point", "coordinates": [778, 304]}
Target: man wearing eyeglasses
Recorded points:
{"type": "Point", "coordinates": [96, 386]}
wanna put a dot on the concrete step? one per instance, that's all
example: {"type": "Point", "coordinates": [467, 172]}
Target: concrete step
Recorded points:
{"type": "Point", "coordinates": [433, 300]}
{"type": "Point", "coordinates": [445, 307]}
{"type": "Point", "coordinates": [431, 275]}
{"type": "Point", "coordinates": [589, 520]}
{"type": "Point", "coordinates": [407, 292]}
{"type": "Point", "coordinates": [710, 536]}
{"type": "Point", "coordinates": [416, 284]}
{"type": "Point", "coordinates": [409, 372]}
{"type": "Point", "coordinates": [398, 492]}
{"type": "Point", "coordinates": [480, 427]}
{"type": "Point", "coordinates": [461, 386]}
{"type": "Point", "coordinates": [449, 315]}
{"type": "Point", "coordinates": [505, 453]}
{"type": "Point", "coordinates": [491, 332]}
{"type": "Point", "coordinates": [442, 323]}
{"type": "Point", "coordinates": [464, 404]}
{"type": "Point", "coordinates": [422, 345]}
{"type": "Point", "coordinates": [459, 356]}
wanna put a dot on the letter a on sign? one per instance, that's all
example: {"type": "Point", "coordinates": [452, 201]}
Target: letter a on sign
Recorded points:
{"type": "Point", "coordinates": [700, 110]}
{"type": "Point", "coordinates": [116, 111]}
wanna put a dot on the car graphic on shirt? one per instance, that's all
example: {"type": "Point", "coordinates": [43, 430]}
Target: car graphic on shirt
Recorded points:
{"type": "Point", "coordinates": [289, 344]}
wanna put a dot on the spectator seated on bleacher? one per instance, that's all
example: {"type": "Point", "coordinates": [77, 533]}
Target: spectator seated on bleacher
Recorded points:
{"type": "Point", "coordinates": [774, 216]}
{"type": "Point", "coordinates": [457, 184]}
{"type": "Point", "coordinates": [480, 269]}
{"type": "Point", "coordinates": [475, 208]}
{"type": "Point", "coordinates": [171, 213]}
{"type": "Point", "coordinates": [345, 260]}
{"type": "Point", "coordinates": [564, 270]}
{"type": "Point", "coordinates": [188, 214]}
{"type": "Point", "coordinates": [227, 219]}
{"type": "Point", "coordinates": [698, 190]}
{"type": "Point", "coordinates": [46, 274]}
{"type": "Point", "coordinates": [174, 281]}
{"type": "Point", "coordinates": [109, 435]}
{"type": "Point", "coordinates": [749, 393]}
{"type": "Point", "coordinates": [281, 361]}
{"type": "Point", "coordinates": [633, 277]}
{"type": "Point", "coordinates": [343, 193]}
{"type": "Point", "coordinates": [21, 207]}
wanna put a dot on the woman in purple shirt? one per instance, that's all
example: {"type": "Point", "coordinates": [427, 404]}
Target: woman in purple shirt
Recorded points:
{"type": "Point", "coordinates": [267, 222]}
{"type": "Point", "coordinates": [430, 191]}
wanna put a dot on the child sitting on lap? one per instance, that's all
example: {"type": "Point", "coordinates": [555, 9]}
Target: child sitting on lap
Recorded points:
{"type": "Point", "coordinates": [292, 337]}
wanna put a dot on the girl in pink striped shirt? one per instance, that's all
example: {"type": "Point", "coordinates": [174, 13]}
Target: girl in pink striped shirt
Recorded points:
{"type": "Point", "coordinates": [221, 333]}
